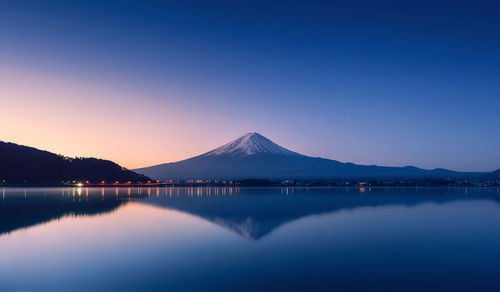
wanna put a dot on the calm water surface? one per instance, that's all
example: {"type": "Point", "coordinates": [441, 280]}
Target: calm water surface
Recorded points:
{"type": "Point", "coordinates": [192, 239]}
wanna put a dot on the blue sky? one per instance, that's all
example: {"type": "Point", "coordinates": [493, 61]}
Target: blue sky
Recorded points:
{"type": "Point", "coordinates": [371, 82]}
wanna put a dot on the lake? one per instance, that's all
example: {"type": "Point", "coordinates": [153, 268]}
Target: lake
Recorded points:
{"type": "Point", "coordinates": [249, 239]}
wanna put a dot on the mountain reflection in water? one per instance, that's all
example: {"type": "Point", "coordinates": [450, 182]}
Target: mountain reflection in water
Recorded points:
{"type": "Point", "coordinates": [249, 212]}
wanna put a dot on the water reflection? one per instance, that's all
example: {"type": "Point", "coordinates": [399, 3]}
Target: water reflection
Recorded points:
{"type": "Point", "coordinates": [230, 239]}
{"type": "Point", "coordinates": [254, 213]}
{"type": "Point", "coordinates": [250, 212]}
{"type": "Point", "coordinates": [22, 208]}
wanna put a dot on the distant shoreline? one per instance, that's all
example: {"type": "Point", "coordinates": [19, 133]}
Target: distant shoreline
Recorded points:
{"type": "Point", "coordinates": [268, 183]}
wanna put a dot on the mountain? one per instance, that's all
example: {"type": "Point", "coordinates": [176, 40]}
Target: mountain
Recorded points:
{"type": "Point", "coordinates": [27, 165]}
{"type": "Point", "coordinates": [251, 144]}
{"type": "Point", "coordinates": [254, 156]}
{"type": "Point", "coordinates": [493, 175]}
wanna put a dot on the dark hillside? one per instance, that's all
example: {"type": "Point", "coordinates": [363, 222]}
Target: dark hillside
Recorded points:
{"type": "Point", "coordinates": [27, 165]}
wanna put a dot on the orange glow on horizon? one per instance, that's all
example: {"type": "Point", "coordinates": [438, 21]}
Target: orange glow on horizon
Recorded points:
{"type": "Point", "coordinates": [48, 115]}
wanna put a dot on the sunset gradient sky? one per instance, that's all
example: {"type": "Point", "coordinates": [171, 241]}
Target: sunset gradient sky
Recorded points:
{"type": "Point", "coordinates": [145, 82]}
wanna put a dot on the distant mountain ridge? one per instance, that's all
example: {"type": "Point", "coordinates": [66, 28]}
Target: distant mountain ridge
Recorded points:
{"type": "Point", "coordinates": [255, 156]}
{"type": "Point", "coordinates": [27, 165]}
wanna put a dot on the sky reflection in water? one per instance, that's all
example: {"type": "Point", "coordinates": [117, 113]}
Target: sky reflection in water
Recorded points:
{"type": "Point", "coordinates": [248, 239]}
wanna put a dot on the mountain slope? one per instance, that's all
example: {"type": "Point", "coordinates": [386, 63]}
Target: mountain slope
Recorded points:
{"type": "Point", "coordinates": [493, 175]}
{"type": "Point", "coordinates": [22, 164]}
{"type": "Point", "coordinates": [254, 156]}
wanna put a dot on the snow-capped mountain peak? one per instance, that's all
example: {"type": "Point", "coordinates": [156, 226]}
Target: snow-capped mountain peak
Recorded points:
{"type": "Point", "coordinates": [254, 156]}
{"type": "Point", "coordinates": [251, 143]}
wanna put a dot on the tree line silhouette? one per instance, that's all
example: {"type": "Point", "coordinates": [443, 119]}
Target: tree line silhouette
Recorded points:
{"type": "Point", "coordinates": [27, 165]}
